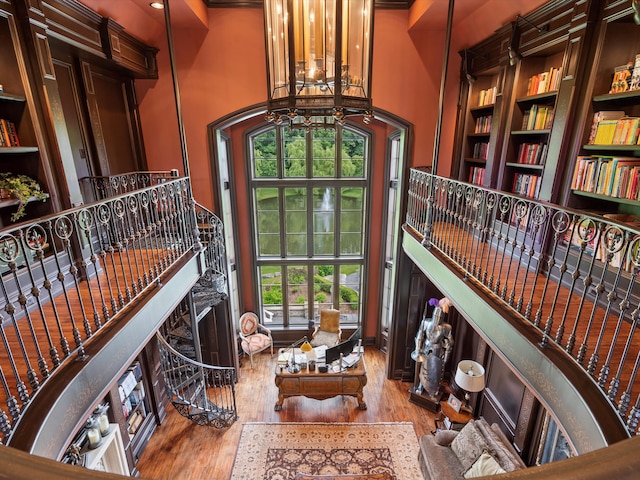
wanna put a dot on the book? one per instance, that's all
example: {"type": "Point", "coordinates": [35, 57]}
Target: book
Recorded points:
{"type": "Point", "coordinates": [13, 134]}
{"type": "Point", "coordinates": [601, 116]}
{"type": "Point", "coordinates": [621, 78]}
{"type": "Point", "coordinates": [635, 74]}
{"type": "Point", "coordinates": [4, 133]}
{"type": "Point", "coordinates": [605, 131]}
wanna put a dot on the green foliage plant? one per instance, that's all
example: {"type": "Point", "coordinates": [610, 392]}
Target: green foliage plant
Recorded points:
{"type": "Point", "coordinates": [23, 188]}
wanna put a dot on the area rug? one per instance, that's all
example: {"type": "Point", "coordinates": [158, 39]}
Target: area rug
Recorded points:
{"type": "Point", "coordinates": [277, 451]}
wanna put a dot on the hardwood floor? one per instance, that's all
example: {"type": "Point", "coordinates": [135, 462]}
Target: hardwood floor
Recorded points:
{"type": "Point", "coordinates": [182, 450]}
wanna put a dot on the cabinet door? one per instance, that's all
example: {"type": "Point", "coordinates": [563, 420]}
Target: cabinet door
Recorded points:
{"type": "Point", "coordinates": [76, 126]}
{"type": "Point", "coordinates": [115, 131]}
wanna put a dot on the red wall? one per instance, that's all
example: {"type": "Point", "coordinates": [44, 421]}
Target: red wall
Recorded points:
{"type": "Point", "coordinates": [222, 70]}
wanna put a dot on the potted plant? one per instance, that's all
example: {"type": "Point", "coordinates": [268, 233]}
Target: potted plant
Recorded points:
{"type": "Point", "coordinates": [23, 188]}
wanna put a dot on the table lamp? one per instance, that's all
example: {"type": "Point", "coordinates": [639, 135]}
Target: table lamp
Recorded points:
{"type": "Point", "coordinates": [470, 378]}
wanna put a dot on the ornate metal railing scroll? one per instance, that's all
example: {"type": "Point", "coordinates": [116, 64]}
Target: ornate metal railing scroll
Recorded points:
{"type": "Point", "coordinates": [63, 277]}
{"type": "Point", "coordinates": [571, 275]}
{"type": "Point", "coordinates": [101, 188]}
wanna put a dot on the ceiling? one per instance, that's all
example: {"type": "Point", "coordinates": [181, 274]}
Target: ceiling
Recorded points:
{"type": "Point", "coordinates": [147, 24]}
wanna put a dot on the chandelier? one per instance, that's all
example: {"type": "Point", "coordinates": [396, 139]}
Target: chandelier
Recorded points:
{"type": "Point", "coordinates": [318, 59]}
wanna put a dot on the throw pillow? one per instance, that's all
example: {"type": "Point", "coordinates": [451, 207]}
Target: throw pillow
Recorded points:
{"type": "Point", "coordinates": [499, 444]}
{"type": "Point", "coordinates": [445, 437]}
{"type": "Point", "coordinates": [484, 465]}
{"type": "Point", "coordinates": [469, 445]}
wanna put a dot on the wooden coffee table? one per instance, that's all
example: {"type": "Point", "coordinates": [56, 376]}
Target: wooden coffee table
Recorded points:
{"type": "Point", "coordinates": [313, 384]}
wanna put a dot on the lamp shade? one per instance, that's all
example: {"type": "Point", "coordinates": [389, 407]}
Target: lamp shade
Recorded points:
{"type": "Point", "coordinates": [470, 376]}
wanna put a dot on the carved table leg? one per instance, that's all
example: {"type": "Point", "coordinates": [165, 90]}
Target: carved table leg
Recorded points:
{"type": "Point", "coordinates": [361, 404]}
{"type": "Point", "coordinates": [278, 406]}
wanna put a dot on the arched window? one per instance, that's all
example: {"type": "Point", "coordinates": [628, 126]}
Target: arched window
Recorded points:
{"type": "Point", "coordinates": [309, 192]}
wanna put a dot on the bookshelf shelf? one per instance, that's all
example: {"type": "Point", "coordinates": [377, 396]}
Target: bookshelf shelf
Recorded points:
{"type": "Point", "coordinates": [17, 150]}
{"type": "Point", "coordinates": [481, 161]}
{"type": "Point", "coordinates": [477, 135]}
{"type": "Point", "coordinates": [614, 148]}
{"type": "Point", "coordinates": [482, 108]}
{"type": "Point", "coordinates": [537, 98]}
{"type": "Point", "coordinates": [525, 166]}
{"type": "Point", "coordinates": [9, 97]}
{"type": "Point", "coordinates": [608, 198]}
{"type": "Point", "coordinates": [616, 97]}
{"type": "Point", "coordinates": [531, 132]}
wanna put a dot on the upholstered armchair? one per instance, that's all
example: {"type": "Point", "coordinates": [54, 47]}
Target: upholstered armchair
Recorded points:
{"type": "Point", "coordinates": [328, 332]}
{"type": "Point", "coordinates": [254, 337]}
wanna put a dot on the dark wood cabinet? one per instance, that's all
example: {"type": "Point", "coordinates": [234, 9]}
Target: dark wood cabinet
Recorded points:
{"type": "Point", "coordinates": [21, 153]}
{"type": "Point", "coordinates": [615, 44]}
{"type": "Point", "coordinates": [535, 64]}
{"type": "Point", "coordinates": [138, 403]}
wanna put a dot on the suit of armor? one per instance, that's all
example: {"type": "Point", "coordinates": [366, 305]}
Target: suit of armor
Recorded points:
{"type": "Point", "coordinates": [433, 344]}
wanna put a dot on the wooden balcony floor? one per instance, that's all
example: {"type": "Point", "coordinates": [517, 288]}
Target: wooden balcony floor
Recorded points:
{"type": "Point", "coordinates": [562, 311]}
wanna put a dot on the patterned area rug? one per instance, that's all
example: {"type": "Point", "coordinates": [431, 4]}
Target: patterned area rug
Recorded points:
{"type": "Point", "coordinates": [277, 451]}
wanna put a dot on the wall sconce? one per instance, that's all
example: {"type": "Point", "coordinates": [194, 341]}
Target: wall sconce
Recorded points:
{"type": "Point", "coordinates": [514, 55]}
{"type": "Point", "coordinates": [470, 378]}
{"type": "Point", "coordinates": [635, 4]}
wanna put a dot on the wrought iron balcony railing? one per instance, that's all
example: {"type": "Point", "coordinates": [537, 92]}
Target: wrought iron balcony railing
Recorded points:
{"type": "Point", "coordinates": [570, 275]}
{"type": "Point", "coordinates": [63, 277]}
{"type": "Point", "coordinates": [100, 188]}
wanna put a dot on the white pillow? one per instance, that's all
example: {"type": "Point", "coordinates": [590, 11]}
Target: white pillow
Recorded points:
{"type": "Point", "coordinates": [484, 465]}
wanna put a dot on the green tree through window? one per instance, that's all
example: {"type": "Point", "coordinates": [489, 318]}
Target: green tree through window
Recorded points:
{"type": "Point", "coordinates": [309, 210]}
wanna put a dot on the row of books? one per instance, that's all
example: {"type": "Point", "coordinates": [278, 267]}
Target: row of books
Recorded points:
{"type": "Point", "coordinates": [602, 116]}
{"type": "Point", "coordinates": [532, 153]}
{"type": "Point", "coordinates": [8, 134]}
{"type": "Point", "coordinates": [595, 246]}
{"type": "Point", "coordinates": [487, 97]}
{"type": "Point", "coordinates": [481, 150]}
{"type": "Point", "coordinates": [526, 184]}
{"type": "Point", "coordinates": [622, 131]}
{"type": "Point", "coordinates": [626, 77]}
{"type": "Point", "coordinates": [129, 380]}
{"type": "Point", "coordinates": [544, 82]}
{"type": "Point", "coordinates": [134, 400]}
{"type": "Point", "coordinates": [476, 175]}
{"type": "Point", "coordinates": [538, 117]}
{"type": "Point", "coordinates": [617, 177]}
{"type": "Point", "coordinates": [483, 124]}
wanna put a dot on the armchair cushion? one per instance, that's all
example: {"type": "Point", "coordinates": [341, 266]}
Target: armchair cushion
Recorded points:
{"type": "Point", "coordinates": [248, 323]}
{"type": "Point", "coordinates": [328, 332]}
{"type": "Point", "coordinates": [330, 320]}
{"type": "Point", "coordinates": [255, 343]}
{"type": "Point", "coordinates": [324, 338]}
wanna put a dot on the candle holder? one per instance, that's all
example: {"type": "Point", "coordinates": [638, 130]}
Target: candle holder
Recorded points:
{"type": "Point", "coordinates": [100, 413]}
{"type": "Point", "coordinates": [94, 438]}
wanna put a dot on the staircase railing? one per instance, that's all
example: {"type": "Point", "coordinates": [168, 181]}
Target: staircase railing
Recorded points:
{"type": "Point", "coordinates": [64, 276]}
{"type": "Point", "coordinates": [204, 394]}
{"type": "Point", "coordinates": [100, 188]}
{"type": "Point", "coordinates": [570, 275]}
